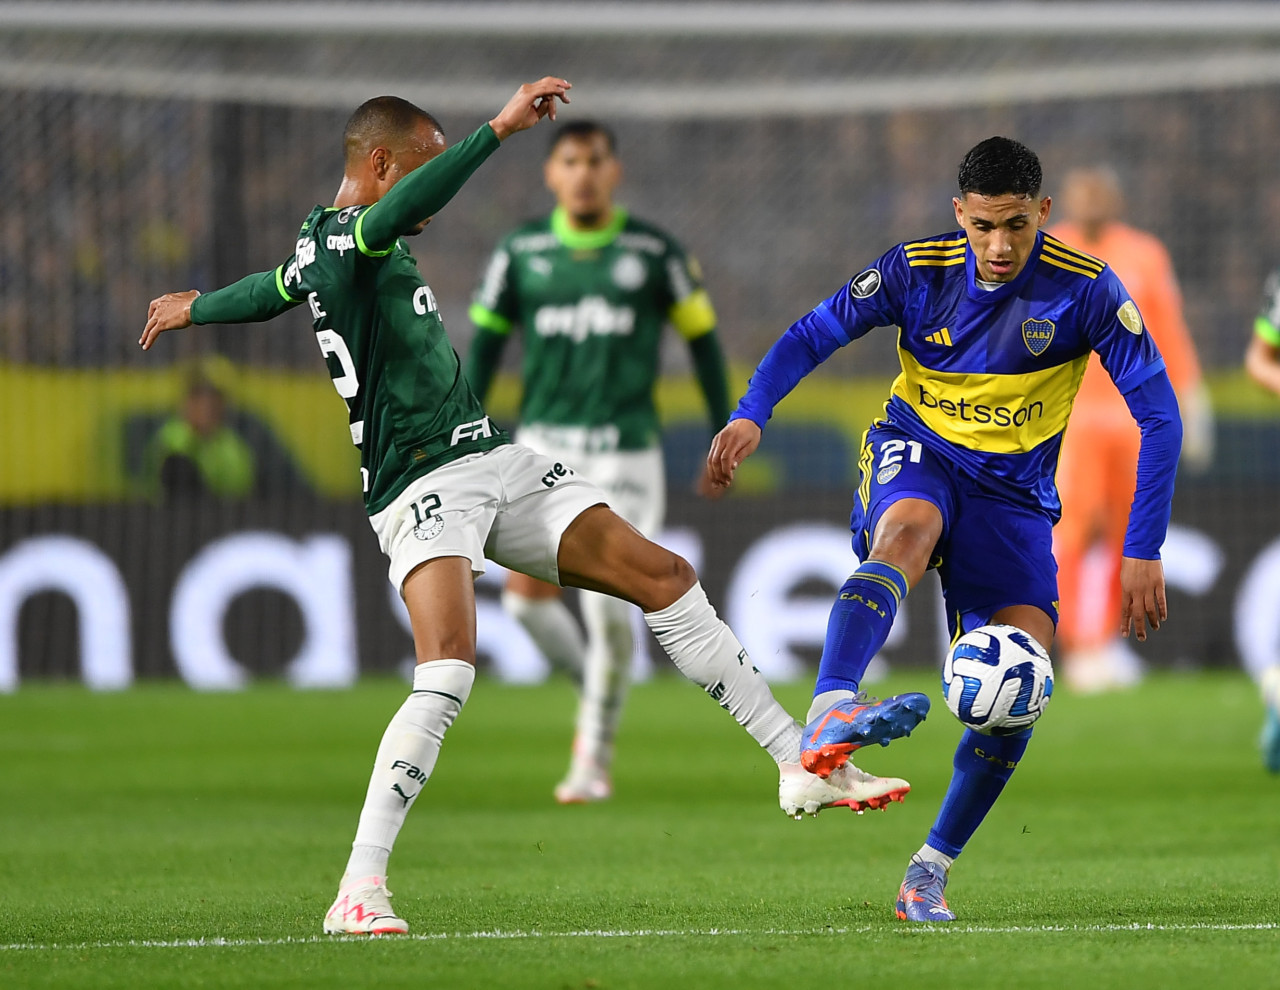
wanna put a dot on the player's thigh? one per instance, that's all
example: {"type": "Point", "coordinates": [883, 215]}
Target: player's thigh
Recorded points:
{"type": "Point", "coordinates": [1083, 466]}
{"type": "Point", "coordinates": [903, 504]}
{"type": "Point", "coordinates": [540, 498]}
{"type": "Point", "coordinates": [528, 587]}
{"type": "Point", "coordinates": [440, 597]}
{"type": "Point", "coordinates": [998, 555]}
{"type": "Point", "coordinates": [448, 512]}
{"type": "Point", "coordinates": [603, 552]}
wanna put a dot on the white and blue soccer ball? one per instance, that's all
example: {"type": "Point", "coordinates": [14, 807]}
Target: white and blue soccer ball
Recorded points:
{"type": "Point", "coordinates": [997, 680]}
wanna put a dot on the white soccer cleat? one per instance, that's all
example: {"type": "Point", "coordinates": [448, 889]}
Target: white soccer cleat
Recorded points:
{"type": "Point", "coordinates": [587, 783]}
{"type": "Point", "coordinates": [363, 907]}
{"type": "Point", "coordinates": [800, 791]}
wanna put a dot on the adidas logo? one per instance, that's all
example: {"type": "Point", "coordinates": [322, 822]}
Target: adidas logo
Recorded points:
{"type": "Point", "coordinates": [942, 337]}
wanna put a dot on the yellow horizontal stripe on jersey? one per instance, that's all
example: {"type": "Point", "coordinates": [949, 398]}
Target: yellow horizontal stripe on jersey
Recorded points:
{"type": "Point", "coordinates": [693, 316]}
{"type": "Point", "coordinates": [1049, 260]}
{"type": "Point", "coordinates": [934, 252]}
{"type": "Point", "coordinates": [995, 414]}
{"type": "Point", "coordinates": [1068, 253]}
{"type": "Point", "coordinates": [935, 262]}
{"type": "Point", "coordinates": [949, 243]}
{"type": "Point", "coordinates": [488, 319]}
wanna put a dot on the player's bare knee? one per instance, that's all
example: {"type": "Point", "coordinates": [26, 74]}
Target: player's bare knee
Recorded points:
{"type": "Point", "coordinates": [676, 576]}
{"type": "Point", "coordinates": [447, 647]}
{"type": "Point", "coordinates": [907, 544]}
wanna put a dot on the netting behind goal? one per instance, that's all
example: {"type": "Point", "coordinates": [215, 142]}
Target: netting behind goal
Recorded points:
{"type": "Point", "coordinates": [150, 147]}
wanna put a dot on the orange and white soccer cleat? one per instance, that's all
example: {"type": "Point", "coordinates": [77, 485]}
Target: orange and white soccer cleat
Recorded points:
{"type": "Point", "coordinates": [800, 791]}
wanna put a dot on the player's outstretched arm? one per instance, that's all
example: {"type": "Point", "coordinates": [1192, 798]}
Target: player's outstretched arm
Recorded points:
{"type": "Point", "coordinates": [254, 299]}
{"type": "Point", "coordinates": [426, 190]}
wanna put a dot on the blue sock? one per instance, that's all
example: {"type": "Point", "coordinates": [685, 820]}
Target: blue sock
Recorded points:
{"type": "Point", "coordinates": [983, 765]}
{"type": "Point", "coordinates": [859, 624]}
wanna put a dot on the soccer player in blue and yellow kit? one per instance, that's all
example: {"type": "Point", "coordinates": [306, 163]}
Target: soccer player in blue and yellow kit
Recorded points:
{"type": "Point", "coordinates": [997, 321]}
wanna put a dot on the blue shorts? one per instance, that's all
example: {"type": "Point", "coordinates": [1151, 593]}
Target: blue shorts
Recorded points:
{"type": "Point", "coordinates": [993, 552]}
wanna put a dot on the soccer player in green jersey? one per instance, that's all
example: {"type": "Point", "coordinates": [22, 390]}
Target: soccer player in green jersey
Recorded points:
{"type": "Point", "coordinates": [444, 486]}
{"type": "Point", "coordinates": [592, 288]}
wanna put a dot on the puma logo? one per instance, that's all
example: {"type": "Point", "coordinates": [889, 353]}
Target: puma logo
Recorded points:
{"type": "Point", "coordinates": [406, 798]}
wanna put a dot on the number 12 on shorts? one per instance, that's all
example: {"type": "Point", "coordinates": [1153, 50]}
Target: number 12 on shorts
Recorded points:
{"type": "Point", "coordinates": [423, 508]}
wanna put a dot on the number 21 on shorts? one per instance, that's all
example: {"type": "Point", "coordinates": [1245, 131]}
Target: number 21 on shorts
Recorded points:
{"type": "Point", "coordinates": [891, 453]}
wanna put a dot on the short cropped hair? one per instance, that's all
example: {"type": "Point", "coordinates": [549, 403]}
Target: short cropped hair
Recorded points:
{"type": "Point", "coordinates": [1000, 166]}
{"type": "Point", "coordinates": [582, 130]}
{"type": "Point", "coordinates": [384, 120]}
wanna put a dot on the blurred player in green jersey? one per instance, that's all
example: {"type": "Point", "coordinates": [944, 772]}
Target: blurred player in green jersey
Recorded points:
{"type": "Point", "coordinates": [445, 488]}
{"type": "Point", "coordinates": [592, 287]}
{"type": "Point", "coordinates": [1262, 362]}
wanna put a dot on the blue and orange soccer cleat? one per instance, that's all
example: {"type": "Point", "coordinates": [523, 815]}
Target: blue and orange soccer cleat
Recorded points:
{"type": "Point", "coordinates": [856, 722]}
{"type": "Point", "coordinates": [920, 896]}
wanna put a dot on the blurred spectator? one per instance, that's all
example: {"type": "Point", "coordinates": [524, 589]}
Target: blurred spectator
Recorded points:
{"type": "Point", "coordinates": [196, 454]}
{"type": "Point", "coordinates": [1262, 362]}
{"type": "Point", "coordinates": [1262, 359]}
{"type": "Point", "coordinates": [1098, 468]}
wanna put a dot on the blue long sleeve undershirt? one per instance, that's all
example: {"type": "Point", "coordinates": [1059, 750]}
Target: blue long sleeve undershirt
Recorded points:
{"type": "Point", "coordinates": [1155, 406]}
{"type": "Point", "coordinates": [811, 340]}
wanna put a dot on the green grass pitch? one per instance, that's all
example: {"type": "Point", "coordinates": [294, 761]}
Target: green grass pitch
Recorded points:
{"type": "Point", "coordinates": [160, 838]}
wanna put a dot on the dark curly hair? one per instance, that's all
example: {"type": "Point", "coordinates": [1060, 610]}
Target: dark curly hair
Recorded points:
{"type": "Point", "coordinates": [1000, 166]}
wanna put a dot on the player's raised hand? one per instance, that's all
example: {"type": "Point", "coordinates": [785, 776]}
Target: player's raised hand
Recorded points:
{"type": "Point", "coordinates": [1141, 596]}
{"type": "Point", "coordinates": [731, 446]}
{"type": "Point", "coordinates": [532, 102]}
{"type": "Point", "coordinates": [172, 311]}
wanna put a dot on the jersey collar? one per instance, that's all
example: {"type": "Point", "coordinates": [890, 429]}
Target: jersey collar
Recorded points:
{"type": "Point", "coordinates": [587, 240]}
{"type": "Point", "coordinates": [979, 294]}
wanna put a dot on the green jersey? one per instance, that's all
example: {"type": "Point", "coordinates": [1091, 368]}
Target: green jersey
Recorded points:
{"type": "Point", "coordinates": [378, 326]}
{"type": "Point", "coordinates": [592, 306]}
{"type": "Point", "coordinates": [380, 332]}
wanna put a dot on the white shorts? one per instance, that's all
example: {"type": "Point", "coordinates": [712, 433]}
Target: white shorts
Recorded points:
{"type": "Point", "coordinates": [632, 480]}
{"type": "Point", "coordinates": [509, 504]}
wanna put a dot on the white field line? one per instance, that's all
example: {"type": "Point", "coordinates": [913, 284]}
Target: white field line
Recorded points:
{"type": "Point", "coordinates": [515, 935]}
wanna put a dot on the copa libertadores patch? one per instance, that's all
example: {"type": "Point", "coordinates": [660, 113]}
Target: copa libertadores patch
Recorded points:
{"type": "Point", "coordinates": [866, 284]}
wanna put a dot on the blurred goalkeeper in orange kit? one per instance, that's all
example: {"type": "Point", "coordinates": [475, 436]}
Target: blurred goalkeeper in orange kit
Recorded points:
{"type": "Point", "coordinates": [1098, 467]}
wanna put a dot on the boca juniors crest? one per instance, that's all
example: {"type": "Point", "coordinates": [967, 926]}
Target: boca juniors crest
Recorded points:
{"type": "Point", "coordinates": [1038, 335]}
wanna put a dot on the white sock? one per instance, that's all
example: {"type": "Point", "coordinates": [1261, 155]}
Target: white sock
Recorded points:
{"type": "Point", "coordinates": [931, 855]}
{"type": "Point", "coordinates": [405, 759]}
{"type": "Point", "coordinates": [552, 627]}
{"type": "Point", "coordinates": [605, 677]}
{"type": "Point", "coordinates": [823, 701]}
{"type": "Point", "coordinates": [706, 651]}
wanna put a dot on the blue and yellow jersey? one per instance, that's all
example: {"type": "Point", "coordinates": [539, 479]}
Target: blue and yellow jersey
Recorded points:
{"type": "Point", "coordinates": [988, 377]}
